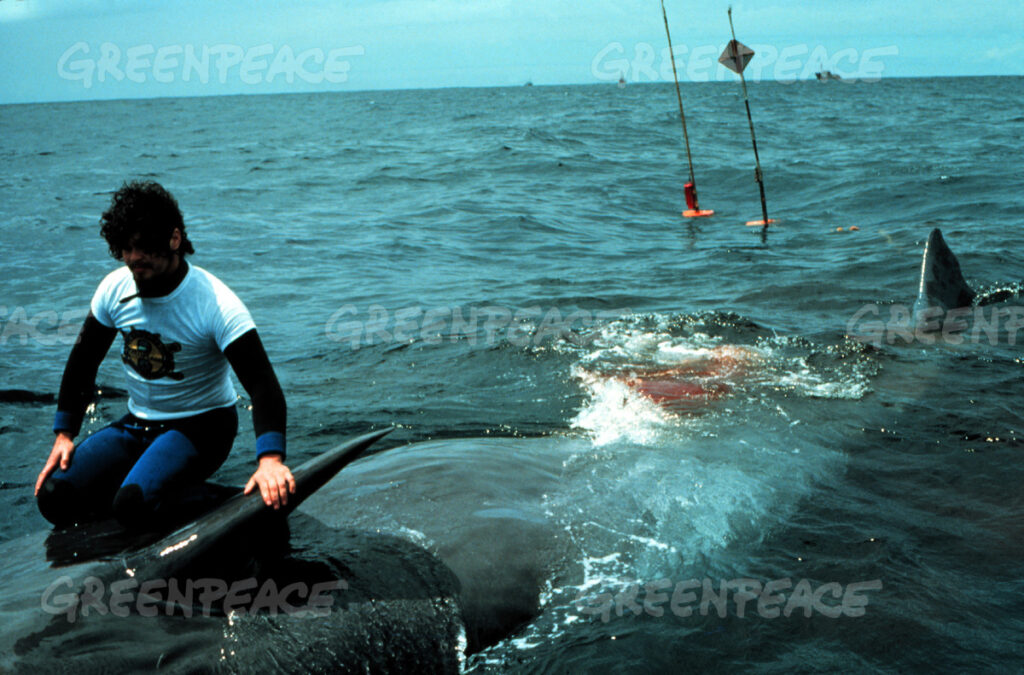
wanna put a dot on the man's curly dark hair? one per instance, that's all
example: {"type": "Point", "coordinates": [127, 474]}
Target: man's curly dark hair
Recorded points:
{"type": "Point", "coordinates": [143, 214]}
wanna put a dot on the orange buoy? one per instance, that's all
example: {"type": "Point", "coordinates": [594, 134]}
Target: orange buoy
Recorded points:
{"type": "Point", "coordinates": [693, 210]}
{"type": "Point", "coordinates": [690, 192]}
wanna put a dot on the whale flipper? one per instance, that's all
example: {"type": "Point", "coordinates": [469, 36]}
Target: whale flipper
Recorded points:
{"type": "Point", "coordinates": [177, 550]}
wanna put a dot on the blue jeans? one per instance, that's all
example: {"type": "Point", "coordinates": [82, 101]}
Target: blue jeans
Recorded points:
{"type": "Point", "coordinates": [138, 469]}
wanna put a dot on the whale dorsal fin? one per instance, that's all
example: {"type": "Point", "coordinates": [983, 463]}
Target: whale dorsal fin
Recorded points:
{"type": "Point", "coordinates": [942, 284]}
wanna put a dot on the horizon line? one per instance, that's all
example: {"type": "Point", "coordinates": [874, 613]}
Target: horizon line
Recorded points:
{"type": "Point", "coordinates": [525, 84]}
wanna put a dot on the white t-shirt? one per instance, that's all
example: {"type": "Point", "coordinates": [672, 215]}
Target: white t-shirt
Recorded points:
{"type": "Point", "coordinates": [173, 351]}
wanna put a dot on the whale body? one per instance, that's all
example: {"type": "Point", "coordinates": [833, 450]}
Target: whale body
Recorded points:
{"type": "Point", "coordinates": [206, 597]}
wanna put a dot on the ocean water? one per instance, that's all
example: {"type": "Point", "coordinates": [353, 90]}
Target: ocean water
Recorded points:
{"type": "Point", "coordinates": [502, 264]}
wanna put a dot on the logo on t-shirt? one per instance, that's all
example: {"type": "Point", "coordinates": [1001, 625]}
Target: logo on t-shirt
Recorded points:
{"type": "Point", "coordinates": [148, 356]}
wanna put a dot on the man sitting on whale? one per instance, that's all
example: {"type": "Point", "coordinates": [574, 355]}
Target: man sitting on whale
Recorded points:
{"type": "Point", "coordinates": [182, 328]}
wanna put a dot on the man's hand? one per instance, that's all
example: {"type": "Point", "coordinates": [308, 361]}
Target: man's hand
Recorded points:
{"type": "Point", "coordinates": [63, 448]}
{"type": "Point", "coordinates": [274, 479]}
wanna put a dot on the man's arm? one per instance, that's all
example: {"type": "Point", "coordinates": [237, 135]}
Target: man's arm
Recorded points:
{"type": "Point", "coordinates": [76, 387]}
{"type": "Point", "coordinates": [269, 414]}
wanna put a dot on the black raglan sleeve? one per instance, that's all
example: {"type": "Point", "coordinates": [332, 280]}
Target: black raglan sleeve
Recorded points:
{"type": "Point", "coordinates": [251, 364]}
{"type": "Point", "coordinates": [76, 386]}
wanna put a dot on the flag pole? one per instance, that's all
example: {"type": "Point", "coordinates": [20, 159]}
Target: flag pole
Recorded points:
{"type": "Point", "coordinates": [690, 189]}
{"type": "Point", "coordinates": [733, 46]}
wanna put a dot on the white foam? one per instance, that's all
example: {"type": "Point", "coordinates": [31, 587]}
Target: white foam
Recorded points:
{"type": "Point", "coordinates": [807, 382]}
{"type": "Point", "coordinates": [616, 412]}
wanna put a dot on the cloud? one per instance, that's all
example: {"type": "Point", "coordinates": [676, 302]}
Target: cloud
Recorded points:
{"type": "Point", "coordinates": [1003, 53]}
{"type": "Point", "coordinates": [17, 10]}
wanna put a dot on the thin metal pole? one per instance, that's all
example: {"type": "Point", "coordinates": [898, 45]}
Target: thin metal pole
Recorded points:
{"type": "Point", "coordinates": [679, 97]}
{"type": "Point", "coordinates": [750, 120]}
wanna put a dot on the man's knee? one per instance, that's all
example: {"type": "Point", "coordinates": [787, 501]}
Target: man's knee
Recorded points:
{"type": "Point", "coordinates": [130, 507]}
{"type": "Point", "coordinates": [58, 502]}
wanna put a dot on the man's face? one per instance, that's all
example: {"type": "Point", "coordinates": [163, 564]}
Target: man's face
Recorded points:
{"type": "Point", "coordinates": [146, 266]}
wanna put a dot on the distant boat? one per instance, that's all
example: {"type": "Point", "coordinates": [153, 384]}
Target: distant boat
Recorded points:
{"type": "Point", "coordinates": [528, 84]}
{"type": "Point", "coordinates": [622, 80]}
{"type": "Point", "coordinates": [826, 75]}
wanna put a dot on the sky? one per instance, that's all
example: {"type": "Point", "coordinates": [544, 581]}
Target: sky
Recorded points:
{"type": "Point", "coordinates": [64, 50]}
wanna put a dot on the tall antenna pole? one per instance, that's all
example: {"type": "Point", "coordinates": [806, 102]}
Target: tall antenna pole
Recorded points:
{"type": "Point", "coordinates": [733, 52]}
{"type": "Point", "coordinates": [690, 189]}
